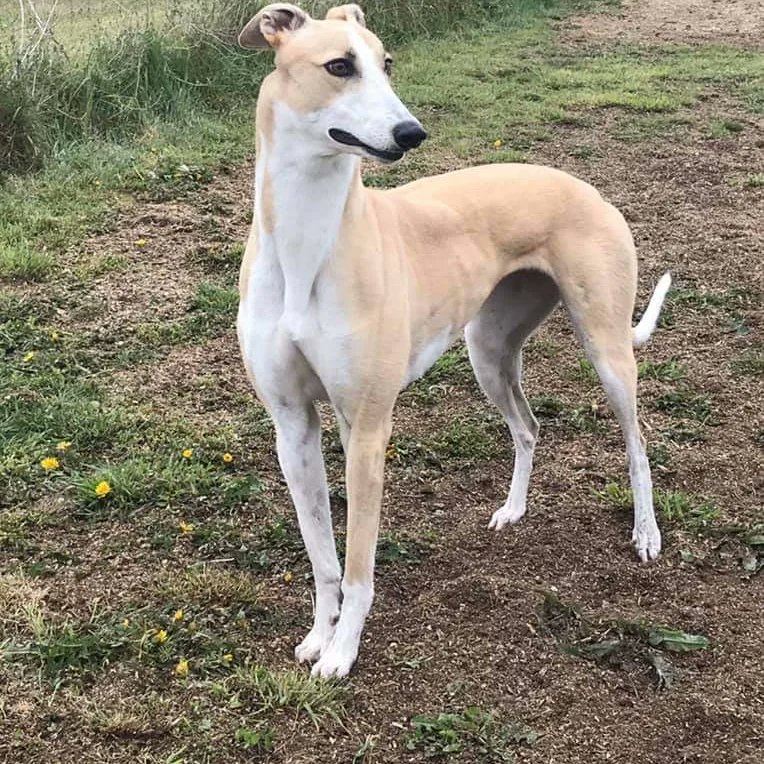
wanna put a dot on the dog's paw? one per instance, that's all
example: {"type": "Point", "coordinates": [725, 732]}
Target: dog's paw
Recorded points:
{"type": "Point", "coordinates": [336, 661]}
{"type": "Point", "coordinates": [505, 516]}
{"type": "Point", "coordinates": [647, 541]}
{"type": "Point", "coordinates": [311, 648]}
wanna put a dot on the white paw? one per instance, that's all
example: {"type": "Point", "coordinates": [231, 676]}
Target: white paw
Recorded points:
{"type": "Point", "coordinates": [335, 661]}
{"type": "Point", "coordinates": [647, 540]}
{"type": "Point", "coordinates": [506, 515]}
{"type": "Point", "coordinates": [310, 649]}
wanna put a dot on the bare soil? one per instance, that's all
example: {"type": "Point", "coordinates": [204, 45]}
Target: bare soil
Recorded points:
{"type": "Point", "coordinates": [734, 22]}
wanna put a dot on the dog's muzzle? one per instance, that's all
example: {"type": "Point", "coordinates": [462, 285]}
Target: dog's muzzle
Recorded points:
{"type": "Point", "coordinates": [408, 135]}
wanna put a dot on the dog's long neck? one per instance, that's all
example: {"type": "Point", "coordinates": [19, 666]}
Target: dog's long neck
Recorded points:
{"type": "Point", "coordinates": [301, 200]}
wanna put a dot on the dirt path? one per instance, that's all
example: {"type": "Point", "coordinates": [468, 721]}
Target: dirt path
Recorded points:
{"type": "Point", "coordinates": [650, 22]}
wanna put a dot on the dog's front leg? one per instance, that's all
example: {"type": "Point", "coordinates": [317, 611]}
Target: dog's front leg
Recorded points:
{"type": "Point", "coordinates": [369, 436]}
{"type": "Point", "coordinates": [298, 440]}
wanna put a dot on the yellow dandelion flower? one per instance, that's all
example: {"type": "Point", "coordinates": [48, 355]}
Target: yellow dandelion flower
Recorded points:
{"type": "Point", "coordinates": [178, 616]}
{"type": "Point", "coordinates": [227, 458]}
{"type": "Point", "coordinates": [102, 489]}
{"type": "Point", "coordinates": [390, 453]}
{"type": "Point", "coordinates": [30, 356]}
{"type": "Point", "coordinates": [160, 637]}
{"type": "Point", "coordinates": [228, 658]}
{"type": "Point", "coordinates": [55, 336]}
{"type": "Point", "coordinates": [498, 143]}
{"type": "Point", "coordinates": [49, 463]}
{"type": "Point", "coordinates": [97, 182]}
{"type": "Point", "coordinates": [63, 445]}
{"type": "Point", "coordinates": [187, 453]}
{"type": "Point", "coordinates": [186, 527]}
{"type": "Point", "coordinates": [288, 576]}
{"type": "Point", "coordinates": [140, 243]}
{"type": "Point", "coordinates": [182, 668]}
{"type": "Point", "coordinates": [125, 623]}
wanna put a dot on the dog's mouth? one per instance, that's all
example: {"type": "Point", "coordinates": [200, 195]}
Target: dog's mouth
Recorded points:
{"type": "Point", "coordinates": [348, 139]}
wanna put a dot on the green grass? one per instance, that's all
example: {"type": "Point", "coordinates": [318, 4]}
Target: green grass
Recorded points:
{"type": "Point", "coordinates": [463, 442]}
{"type": "Point", "coordinates": [668, 371]}
{"type": "Point", "coordinates": [267, 691]}
{"type": "Point", "coordinates": [473, 730]}
{"type": "Point", "coordinates": [165, 480]}
{"type": "Point", "coordinates": [60, 649]}
{"type": "Point", "coordinates": [723, 128]}
{"type": "Point", "coordinates": [550, 410]}
{"type": "Point", "coordinates": [211, 312]}
{"type": "Point", "coordinates": [398, 549]}
{"type": "Point", "coordinates": [20, 262]}
{"type": "Point", "coordinates": [686, 404]}
{"type": "Point", "coordinates": [258, 739]}
{"type": "Point", "coordinates": [756, 180]}
{"type": "Point", "coordinates": [750, 363]}
{"type": "Point", "coordinates": [680, 509]}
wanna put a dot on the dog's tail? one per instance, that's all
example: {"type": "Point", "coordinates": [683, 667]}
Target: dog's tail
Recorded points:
{"type": "Point", "coordinates": [642, 331]}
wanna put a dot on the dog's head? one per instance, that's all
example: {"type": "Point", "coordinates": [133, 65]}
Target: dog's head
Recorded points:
{"type": "Point", "coordinates": [333, 77]}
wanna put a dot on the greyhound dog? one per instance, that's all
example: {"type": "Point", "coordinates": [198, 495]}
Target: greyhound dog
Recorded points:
{"type": "Point", "coordinates": [348, 294]}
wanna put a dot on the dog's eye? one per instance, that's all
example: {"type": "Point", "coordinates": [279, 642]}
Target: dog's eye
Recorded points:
{"type": "Point", "coordinates": [388, 66]}
{"type": "Point", "coordinates": [340, 67]}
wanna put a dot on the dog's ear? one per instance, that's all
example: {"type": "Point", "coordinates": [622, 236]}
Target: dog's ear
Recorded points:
{"type": "Point", "coordinates": [351, 12]}
{"type": "Point", "coordinates": [270, 26]}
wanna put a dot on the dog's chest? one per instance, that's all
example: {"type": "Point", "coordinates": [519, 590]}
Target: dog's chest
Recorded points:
{"type": "Point", "coordinates": [276, 337]}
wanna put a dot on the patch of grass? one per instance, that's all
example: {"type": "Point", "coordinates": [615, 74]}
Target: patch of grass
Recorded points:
{"type": "Point", "coordinates": [551, 410]}
{"type": "Point", "coordinates": [20, 262]}
{"type": "Point", "coordinates": [472, 730]}
{"type": "Point", "coordinates": [209, 586]}
{"type": "Point", "coordinates": [750, 363]}
{"type": "Point", "coordinates": [756, 180]}
{"type": "Point", "coordinates": [685, 435]}
{"type": "Point", "coordinates": [733, 298]}
{"type": "Point", "coordinates": [658, 455]}
{"type": "Point", "coordinates": [635, 128]}
{"type": "Point", "coordinates": [395, 549]}
{"type": "Point", "coordinates": [723, 128]}
{"type": "Point", "coordinates": [584, 152]}
{"type": "Point", "coordinates": [211, 311]}
{"type": "Point", "coordinates": [452, 368]}
{"type": "Point", "coordinates": [68, 649]}
{"type": "Point", "coordinates": [665, 370]}
{"type": "Point", "coordinates": [258, 739]}
{"type": "Point", "coordinates": [686, 404]}
{"type": "Point", "coordinates": [217, 257]}
{"type": "Point", "coordinates": [463, 440]}
{"type": "Point", "coordinates": [268, 691]}
{"type": "Point", "coordinates": [16, 526]}
{"type": "Point", "coordinates": [161, 480]}
{"type": "Point", "coordinates": [586, 372]}
{"type": "Point", "coordinates": [676, 507]}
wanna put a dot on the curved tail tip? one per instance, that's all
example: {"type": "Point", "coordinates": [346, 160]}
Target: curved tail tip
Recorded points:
{"type": "Point", "coordinates": [642, 331]}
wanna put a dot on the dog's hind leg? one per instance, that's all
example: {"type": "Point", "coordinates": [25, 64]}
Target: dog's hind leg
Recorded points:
{"type": "Point", "coordinates": [495, 337]}
{"type": "Point", "coordinates": [600, 299]}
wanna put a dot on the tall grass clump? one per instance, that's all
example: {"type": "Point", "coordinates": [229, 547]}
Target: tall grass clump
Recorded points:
{"type": "Point", "coordinates": [122, 83]}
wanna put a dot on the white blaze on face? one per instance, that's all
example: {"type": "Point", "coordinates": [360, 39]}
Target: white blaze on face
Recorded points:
{"type": "Point", "coordinates": [371, 109]}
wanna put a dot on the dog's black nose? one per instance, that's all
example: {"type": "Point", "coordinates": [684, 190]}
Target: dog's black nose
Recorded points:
{"type": "Point", "coordinates": [408, 135]}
